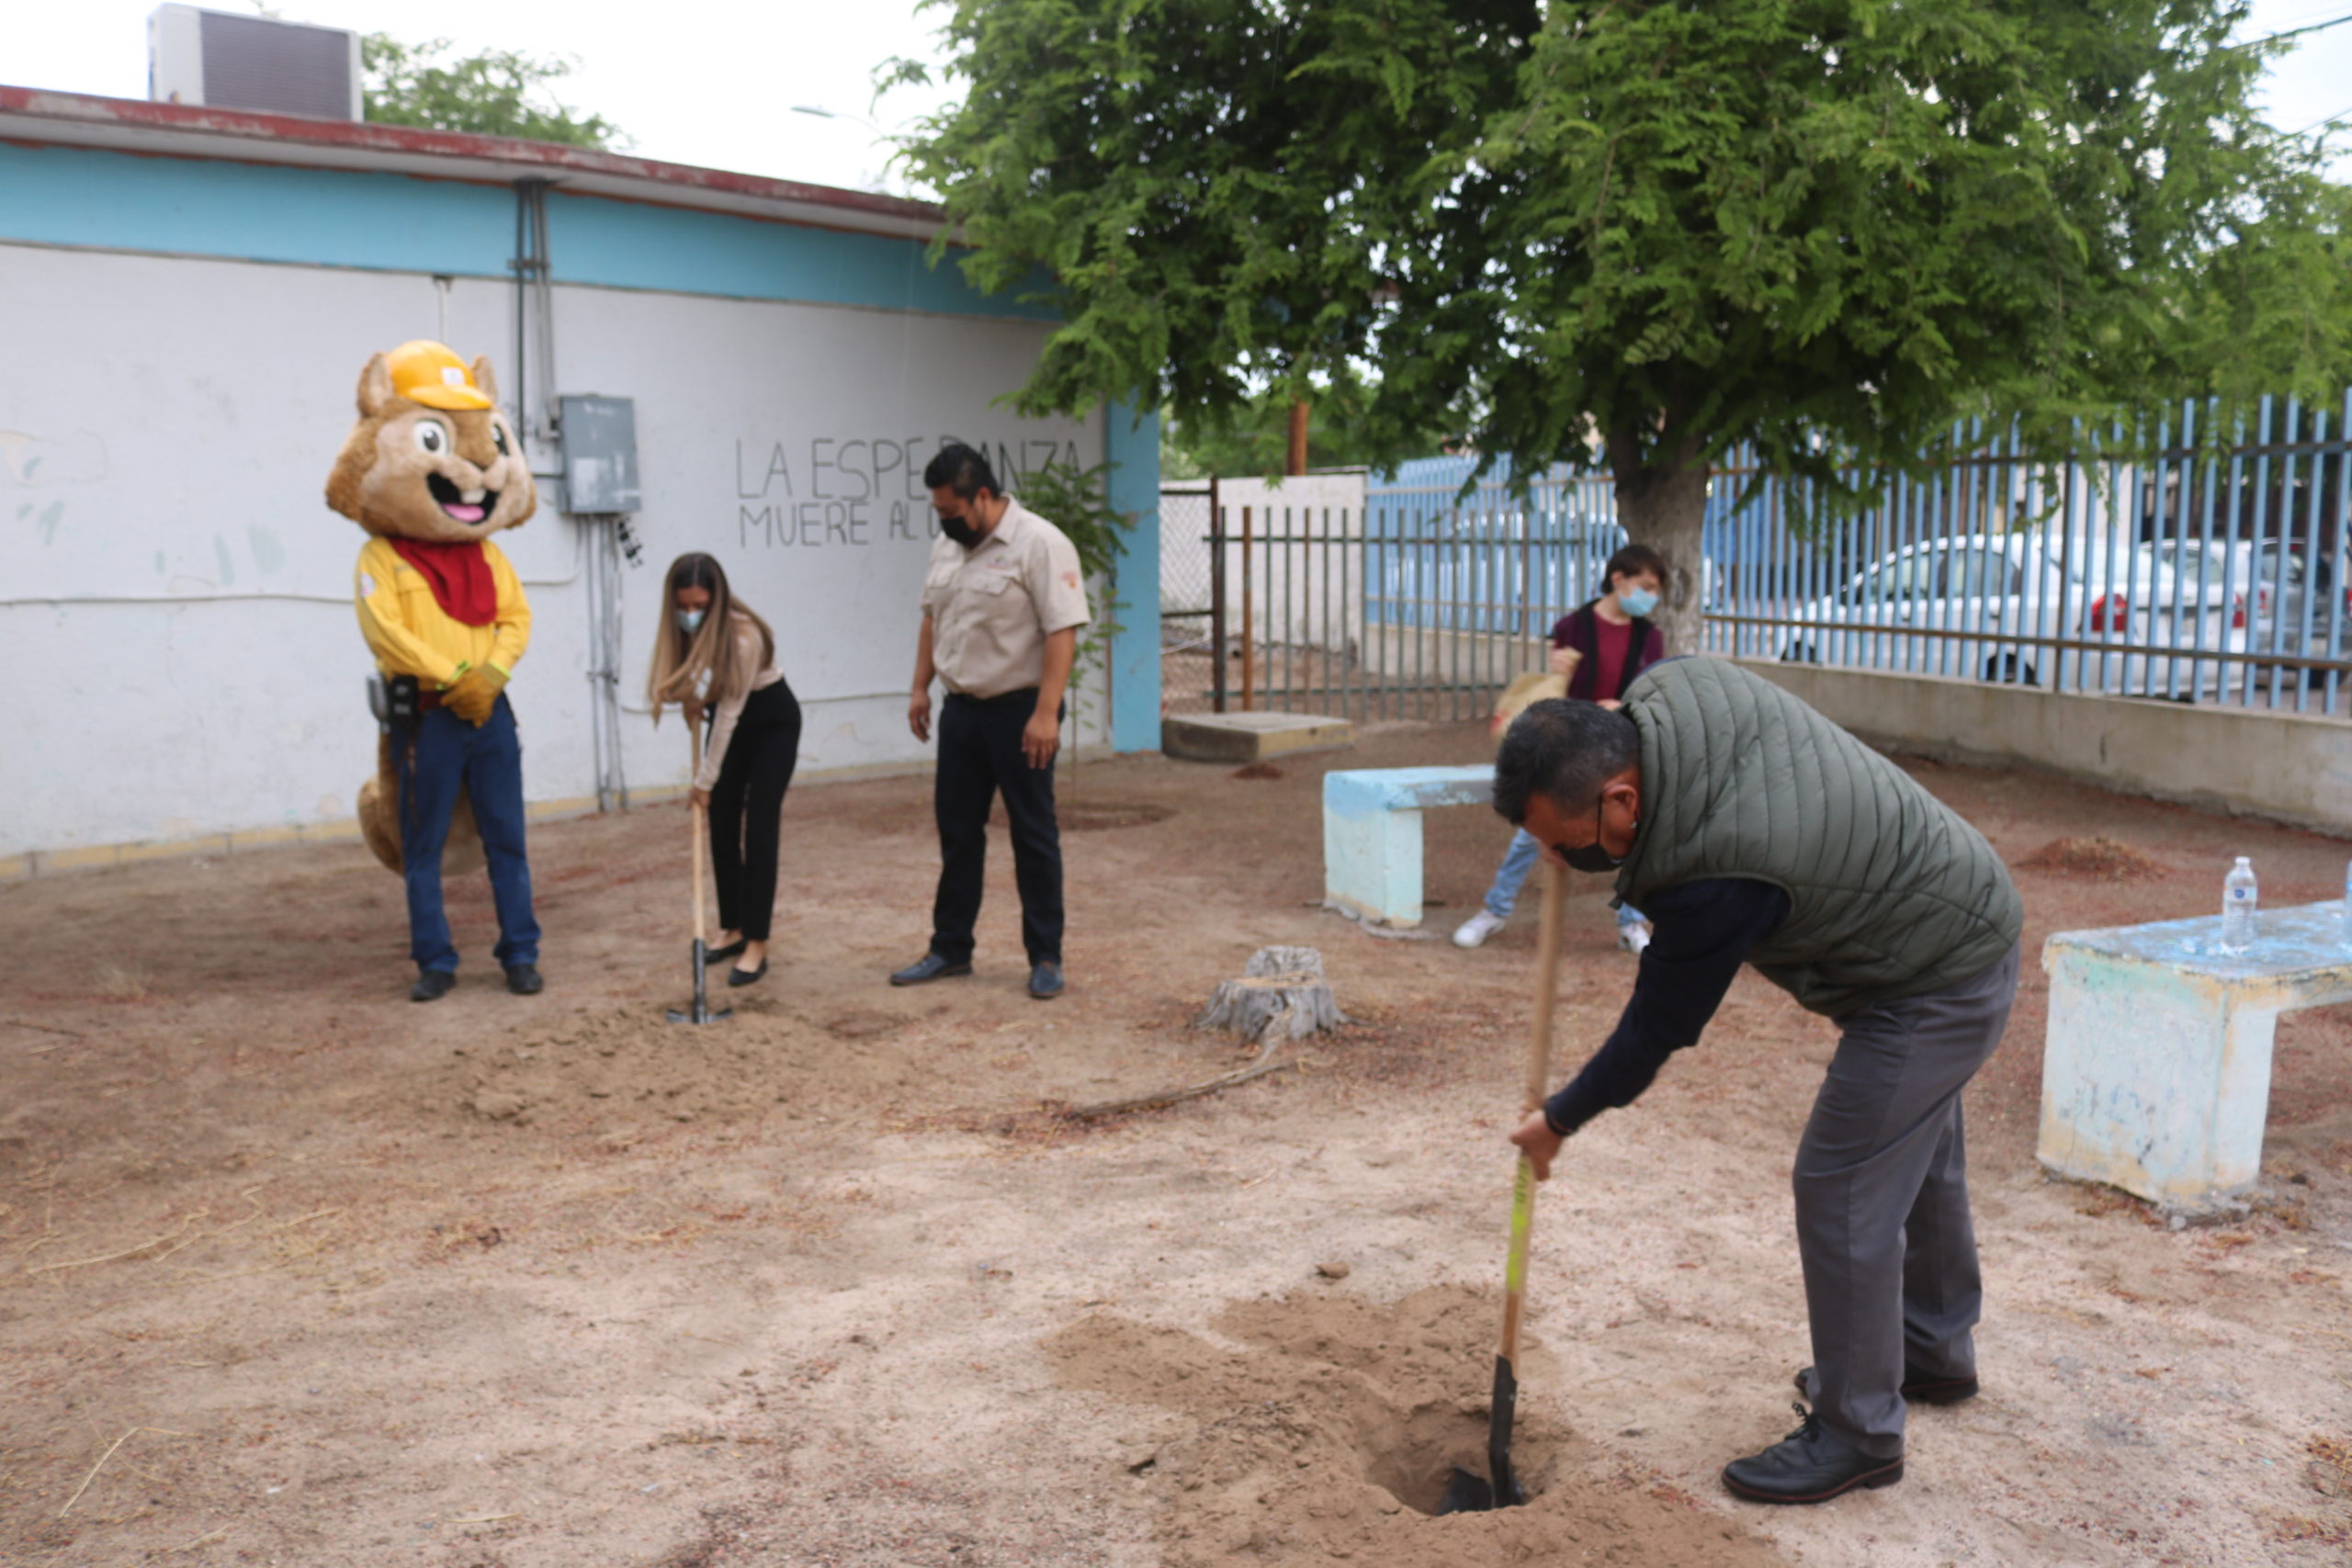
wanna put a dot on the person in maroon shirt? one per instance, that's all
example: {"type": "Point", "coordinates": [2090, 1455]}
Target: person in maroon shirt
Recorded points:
{"type": "Point", "coordinates": [1611, 640]}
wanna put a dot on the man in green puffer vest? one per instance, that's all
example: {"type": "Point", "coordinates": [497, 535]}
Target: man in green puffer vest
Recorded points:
{"type": "Point", "coordinates": [1751, 829]}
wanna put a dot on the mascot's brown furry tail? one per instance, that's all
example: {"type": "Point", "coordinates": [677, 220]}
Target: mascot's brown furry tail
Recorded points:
{"type": "Point", "coordinates": [379, 821]}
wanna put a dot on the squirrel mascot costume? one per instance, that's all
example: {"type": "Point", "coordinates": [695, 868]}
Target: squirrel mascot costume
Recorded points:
{"type": "Point", "coordinates": [430, 470]}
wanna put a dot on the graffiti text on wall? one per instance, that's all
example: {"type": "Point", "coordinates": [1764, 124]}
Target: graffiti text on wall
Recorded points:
{"type": "Point", "coordinates": [849, 491]}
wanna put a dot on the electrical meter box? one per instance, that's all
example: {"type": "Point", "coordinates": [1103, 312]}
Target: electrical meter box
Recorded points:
{"type": "Point", "coordinates": [599, 454]}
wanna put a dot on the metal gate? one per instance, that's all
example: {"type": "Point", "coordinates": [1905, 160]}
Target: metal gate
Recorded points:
{"type": "Point", "coordinates": [2192, 573]}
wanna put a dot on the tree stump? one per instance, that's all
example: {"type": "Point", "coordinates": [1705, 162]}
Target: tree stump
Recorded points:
{"type": "Point", "coordinates": [1282, 995]}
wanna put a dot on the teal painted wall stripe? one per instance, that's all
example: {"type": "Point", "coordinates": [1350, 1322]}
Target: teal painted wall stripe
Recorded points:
{"type": "Point", "coordinates": [624, 244]}
{"type": "Point", "coordinates": [70, 196]}
{"type": "Point", "coordinates": [1131, 444]}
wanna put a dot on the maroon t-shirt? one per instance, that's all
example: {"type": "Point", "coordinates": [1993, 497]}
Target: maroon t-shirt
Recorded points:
{"type": "Point", "coordinates": [1611, 660]}
{"type": "Point", "coordinates": [1612, 646]}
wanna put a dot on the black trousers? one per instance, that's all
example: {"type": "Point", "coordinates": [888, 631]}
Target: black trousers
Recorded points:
{"type": "Point", "coordinates": [747, 808]}
{"type": "Point", "coordinates": [979, 756]}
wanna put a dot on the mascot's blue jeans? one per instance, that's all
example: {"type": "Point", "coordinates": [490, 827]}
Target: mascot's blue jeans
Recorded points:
{"type": "Point", "coordinates": [445, 755]}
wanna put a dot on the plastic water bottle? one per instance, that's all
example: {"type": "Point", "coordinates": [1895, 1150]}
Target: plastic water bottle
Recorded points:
{"type": "Point", "coordinates": [2239, 900]}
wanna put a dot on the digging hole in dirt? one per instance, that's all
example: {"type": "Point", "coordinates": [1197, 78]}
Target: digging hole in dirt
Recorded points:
{"type": "Point", "coordinates": [1322, 1428]}
{"type": "Point", "coordinates": [1412, 1457]}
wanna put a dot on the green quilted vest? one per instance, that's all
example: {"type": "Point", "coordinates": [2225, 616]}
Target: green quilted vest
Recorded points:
{"type": "Point", "coordinates": [1891, 894]}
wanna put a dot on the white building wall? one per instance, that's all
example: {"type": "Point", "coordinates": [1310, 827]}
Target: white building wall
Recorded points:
{"type": "Point", "coordinates": [175, 597]}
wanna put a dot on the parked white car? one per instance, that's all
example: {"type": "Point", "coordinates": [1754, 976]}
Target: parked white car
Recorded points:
{"type": "Point", "coordinates": [1978, 604]}
{"type": "Point", "coordinates": [2258, 589]}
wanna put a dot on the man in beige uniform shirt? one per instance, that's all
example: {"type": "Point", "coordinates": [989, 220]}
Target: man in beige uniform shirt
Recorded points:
{"type": "Point", "coordinates": [1002, 600]}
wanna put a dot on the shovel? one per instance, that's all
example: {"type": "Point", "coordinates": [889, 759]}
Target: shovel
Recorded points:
{"type": "Point", "coordinates": [701, 1011]}
{"type": "Point", "coordinates": [1467, 1492]}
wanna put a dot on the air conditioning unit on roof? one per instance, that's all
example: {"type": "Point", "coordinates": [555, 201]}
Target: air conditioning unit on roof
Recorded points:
{"type": "Point", "coordinates": [251, 63]}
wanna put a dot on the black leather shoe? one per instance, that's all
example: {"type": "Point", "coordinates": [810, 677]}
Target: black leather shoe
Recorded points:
{"type": "Point", "coordinates": [1811, 1464]}
{"type": "Point", "coordinates": [713, 954]}
{"type": "Point", "coordinates": [1045, 981]}
{"type": "Point", "coordinates": [431, 985]}
{"type": "Point", "coordinates": [1918, 1387]}
{"type": "Point", "coordinates": [930, 966]}
{"type": "Point", "coordinates": [745, 977]}
{"type": "Point", "coordinates": [524, 980]}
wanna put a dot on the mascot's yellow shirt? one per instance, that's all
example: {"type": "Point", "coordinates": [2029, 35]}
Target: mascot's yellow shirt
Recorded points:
{"type": "Point", "coordinates": [409, 632]}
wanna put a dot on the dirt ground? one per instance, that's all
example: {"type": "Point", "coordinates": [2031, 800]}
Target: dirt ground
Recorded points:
{"type": "Point", "coordinates": [293, 1272]}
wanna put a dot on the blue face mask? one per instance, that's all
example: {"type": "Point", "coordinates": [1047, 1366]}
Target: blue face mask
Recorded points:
{"type": "Point", "coordinates": [690, 621]}
{"type": "Point", "coordinates": [1637, 602]}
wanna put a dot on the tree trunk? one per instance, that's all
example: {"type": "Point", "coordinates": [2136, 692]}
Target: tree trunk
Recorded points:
{"type": "Point", "coordinates": [1663, 503]}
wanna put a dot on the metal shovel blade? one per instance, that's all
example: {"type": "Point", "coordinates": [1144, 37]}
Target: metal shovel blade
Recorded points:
{"type": "Point", "coordinates": [701, 1012]}
{"type": "Point", "coordinates": [1469, 1493]}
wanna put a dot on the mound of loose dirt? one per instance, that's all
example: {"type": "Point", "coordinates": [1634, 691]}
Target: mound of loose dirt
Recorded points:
{"type": "Point", "coordinates": [1256, 771]}
{"type": "Point", "coordinates": [628, 1065]}
{"type": "Point", "coordinates": [1328, 1437]}
{"type": "Point", "coordinates": [2095, 856]}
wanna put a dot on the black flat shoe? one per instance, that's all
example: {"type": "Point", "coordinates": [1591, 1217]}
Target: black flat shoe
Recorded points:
{"type": "Point", "coordinates": [713, 954]}
{"type": "Point", "coordinates": [745, 977]}
{"type": "Point", "coordinates": [928, 968]}
{"type": "Point", "coordinates": [525, 980]}
{"type": "Point", "coordinates": [431, 985]}
{"type": "Point", "coordinates": [1918, 1387]}
{"type": "Point", "coordinates": [1811, 1464]}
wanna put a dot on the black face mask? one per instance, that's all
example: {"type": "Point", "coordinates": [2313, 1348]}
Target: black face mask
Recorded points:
{"type": "Point", "coordinates": [959, 529]}
{"type": "Point", "coordinates": [1591, 857]}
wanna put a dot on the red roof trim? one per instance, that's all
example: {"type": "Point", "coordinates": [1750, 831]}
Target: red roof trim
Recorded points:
{"type": "Point", "coordinates": [359, 136]}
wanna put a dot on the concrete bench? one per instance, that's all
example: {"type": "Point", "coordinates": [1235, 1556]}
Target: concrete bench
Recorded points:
{"type": "Point", "coordinates": [2156, 1077]}
{"type": "Point", "coordinates": [1372, 835]}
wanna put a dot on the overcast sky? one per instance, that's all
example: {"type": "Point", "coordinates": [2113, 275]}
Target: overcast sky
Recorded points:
{"type": "Point", "coordinates": [709, 82]}
{"type": "Point", "coordinates": [715, 82]}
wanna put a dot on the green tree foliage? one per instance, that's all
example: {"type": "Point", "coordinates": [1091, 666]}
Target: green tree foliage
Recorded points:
{"type": "Point", "coordinates": [1629, 236]}
{"type": "Point", "coordinates": [496, 93]}
{"type": "Point", "coordinates": [1251, 440]}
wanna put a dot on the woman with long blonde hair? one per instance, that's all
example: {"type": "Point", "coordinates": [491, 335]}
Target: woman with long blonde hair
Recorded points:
{"type": "Point", "coordinates": [714, 655]}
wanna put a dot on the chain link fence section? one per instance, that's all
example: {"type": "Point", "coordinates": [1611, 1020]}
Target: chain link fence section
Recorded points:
{"type": "Point", "coordinates": [1187, 601]}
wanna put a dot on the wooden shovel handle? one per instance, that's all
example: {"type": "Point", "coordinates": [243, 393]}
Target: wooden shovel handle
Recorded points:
{"type": "Point", "coordinates": [1539, 1066]}
{"type": "Point", "coordinates": [1547, 983]}
{"type": "Point", "coordinates": [702, 824]}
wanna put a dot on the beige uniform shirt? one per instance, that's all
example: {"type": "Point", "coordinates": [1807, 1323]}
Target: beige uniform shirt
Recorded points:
{"type": "Point", "coordinates": [728, 712]}
{"type": "Point", "coordinates": [992, 608]}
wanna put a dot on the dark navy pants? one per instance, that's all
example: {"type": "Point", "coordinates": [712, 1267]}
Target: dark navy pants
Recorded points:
{"type": "Point", "coordinates": [446, 755]}
{"type": "Point", "coordinates": [979, 758]}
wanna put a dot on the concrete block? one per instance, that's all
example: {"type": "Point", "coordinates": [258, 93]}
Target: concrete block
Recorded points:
{"type": "Point", "coordinates": [1371, 834]}
{"type": "Point", "coordinates": [1251, 736]}
{"type": "Point", "coordinates": [2156, 1072]}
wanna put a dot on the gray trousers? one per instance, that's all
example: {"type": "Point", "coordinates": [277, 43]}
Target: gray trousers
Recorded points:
{"type": "Point", "coordinates": [1881, 1197]}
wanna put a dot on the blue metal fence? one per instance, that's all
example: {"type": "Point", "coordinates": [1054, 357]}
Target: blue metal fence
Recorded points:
{"type": "Point", "coordinates": [2202, 572]}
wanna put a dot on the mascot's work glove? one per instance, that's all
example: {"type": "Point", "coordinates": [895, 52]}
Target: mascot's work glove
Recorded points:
{"type": "Point", "coordinates": [475, 693]}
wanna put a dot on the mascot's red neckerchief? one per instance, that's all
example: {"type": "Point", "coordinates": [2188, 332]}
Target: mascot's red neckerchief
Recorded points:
{"type": "Point", "coordinates": [458, 576]}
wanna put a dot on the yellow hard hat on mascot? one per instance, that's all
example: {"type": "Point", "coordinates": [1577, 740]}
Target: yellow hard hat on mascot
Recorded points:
{"type": "Point", "coordinates": [430, 374]}
{"type": "Point", "coordinates": [433, 469]}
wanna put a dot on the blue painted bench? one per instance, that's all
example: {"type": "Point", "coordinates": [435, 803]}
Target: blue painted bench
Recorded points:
{"type": "Point", "coordinates": [1372, 835]}
{"type": "Point", "coordinates": [2155, 1075]}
